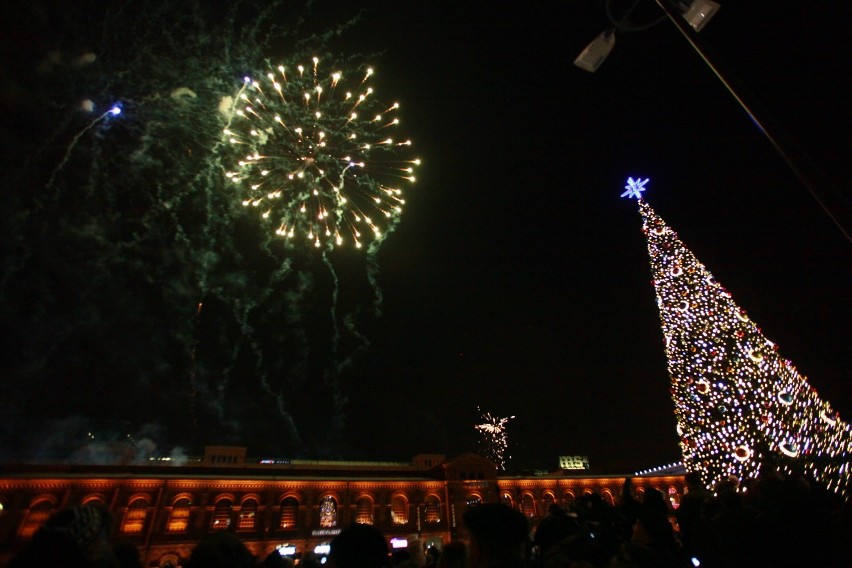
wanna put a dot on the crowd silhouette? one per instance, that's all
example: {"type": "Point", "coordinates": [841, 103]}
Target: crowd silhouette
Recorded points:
{"type": "Point", "coordinates": [771, 521]}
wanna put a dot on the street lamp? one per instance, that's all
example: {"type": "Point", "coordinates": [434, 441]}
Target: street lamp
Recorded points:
{"type": "Point", "coordinates": [595, 53]}
{"type": "Point", "coordinates": [697, 13]}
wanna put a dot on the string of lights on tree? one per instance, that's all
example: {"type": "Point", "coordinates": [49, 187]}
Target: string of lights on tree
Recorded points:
{"type": "Point", "coordinates": [740, 405]}
{"type": "Point", "coordinates": [316, 157]}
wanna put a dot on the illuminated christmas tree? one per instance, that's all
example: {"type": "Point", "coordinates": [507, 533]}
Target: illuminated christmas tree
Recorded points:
{"type": "Point", "coordinates": [740, 405]}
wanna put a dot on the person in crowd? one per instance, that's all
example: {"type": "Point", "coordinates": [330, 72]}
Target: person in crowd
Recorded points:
{"type": "Point", "coordinates": [555, 527]}
{"type": "Point", "coordinates": [654, 531]}
{"type": "Point", "coordinates": [359, 546]}
{"type": "Point", "coordinates": [400, 558]}
{"type": "Point", "coordinates": [498, 536]}
{"type": "Point", "coordinates": [416, 554]}
{"type": "Point", "coordinates": [127, 555]}
{"type": "Point", "coordinates": [454, 555]}
{"type": "Point", "coordinates": [732, 534]}
{"type": "Point", "coordinates": [275, 560]}
{"type": "Point", "coordinates": [432, 556]}
{"type": "Point", "coordinates": [310, 559]}
{"type": "Point", "coordinates": [221, 549]}
{"type": "Point", "coordinates": [593, 543]}
{"type": "Point", "coordinates": [692, 518]}
{"type": "Point", "coordinates": [794, 524]}
{"type": "Point", "coordinates": [628, 509]}
{"type": "Point", "coordinates": [78, 536]}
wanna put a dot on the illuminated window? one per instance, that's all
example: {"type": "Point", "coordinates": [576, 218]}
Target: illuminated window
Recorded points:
{"type": "Point", "coordinates": [134, 517]}
{"type": "Point", "coordinates": [179, 516]}
{"type": "Point", "coordinates": [433, 509]}
{"type": "Point", "coordinates": [399, 510]}
{"type": "Point", "coordinates": [94, 500]}
{"type": "Point", "coordinates": [289, 513]}
{"type": "Point", "coordinates": [364, 511]}
{"type": "Point", "coordinates": [39, 512]}
{"type": "Point", "coordinates": [248, 514]}
{"type": "Point", "coordinates": [674, 497]}
{"type": "Point", "coordinates": [549, 500]}
{"type": "Point", "coordinates": [606, 495]}
{"type": "Point", "coordinates": [569, 498]}
{"type": "Point", "coordinates": [506, 499]}
{"type": "Point", "coordinates": [221, 520]}
{"type": "Point", "coordinates": [528, 505]}
{"type": "Point", "coordinates": [328, 512]}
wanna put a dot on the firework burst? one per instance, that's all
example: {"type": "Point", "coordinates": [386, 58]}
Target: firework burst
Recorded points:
{"type": "Point", "coordinates": [316, 158]}
{"type": "Point", "coordinates": [495, 441]}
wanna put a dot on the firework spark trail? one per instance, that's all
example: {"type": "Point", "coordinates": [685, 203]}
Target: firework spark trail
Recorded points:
{"type": "Point", "coordinates": [158, 230]}
{"type": "Point", "coordinates": [311, 155]}
{"type": "Point", "coordinates": [373, 279]}
{"type": "Point", "coordinates": [114, 111]}
{"type": "Point", "coordinates": [193, 384]}
{"type": "Point", "coordinates": [40, 201]}
{"type": "Point", "coordinates": [494, 437]}
{"type": "Point", "coordinates": [335, 293]}
{"type": "Point", "coordinates": [348, 320]}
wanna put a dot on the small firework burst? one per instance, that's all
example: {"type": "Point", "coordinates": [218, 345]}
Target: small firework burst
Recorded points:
{"type": "Point", "coordinates": [495, 441]}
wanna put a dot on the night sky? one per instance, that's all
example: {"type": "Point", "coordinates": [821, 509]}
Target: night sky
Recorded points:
{"type": "Point", "coordinates": [517, 282]}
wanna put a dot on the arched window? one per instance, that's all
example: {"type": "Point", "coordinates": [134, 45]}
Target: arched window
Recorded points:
{"type": "Point", "coordinates": [40, 511]}
{"type": "Point", "coordinates": [95, 500]}
{"type": "Point", "coordinates": [549, 500]}
{"type": "Point", "coordinates": [221, 520]}
{"type": "Point", "coordinates": [506, 499]}
{"type": "Point", "coordinates": [569, 497]}
{"type": "Point", "coordinates": [364, 510]}
{"type": "Point", "coordinates": [179, 516]}
{"type": "Point", "coordinates": [328, 512]}
{"type": "Point", "coordinates": [134, 517]}
{"type": "Point", "coordinates": [674, 497]}
{"type": "Point", "coordinates": [606, 495]}
{"type": "Point", "coordinates": [289, 513]}
{"type": "Point", "coordinates": [399, 510]}
{"type": "Point", "coordinates": [248, 514]}
{"type": "Point", "coordinates": [473, 500]}
{"type": "Point", "coordinates": [433, 509]}
{"type": "Point", "coordinates": [528, 505]}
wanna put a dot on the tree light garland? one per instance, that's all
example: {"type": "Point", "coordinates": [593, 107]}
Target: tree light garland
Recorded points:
{"type": "Point", "coordinates": [739, 404]}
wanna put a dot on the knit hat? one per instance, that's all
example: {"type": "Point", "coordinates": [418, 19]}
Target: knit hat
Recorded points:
{"type": "Point", "coordinates": [85, 528]}
{"type": "Point", "coordinates": [82, 524]}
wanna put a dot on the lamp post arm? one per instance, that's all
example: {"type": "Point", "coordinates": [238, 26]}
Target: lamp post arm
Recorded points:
{"type": "Point", "coordinates": [815, 181]}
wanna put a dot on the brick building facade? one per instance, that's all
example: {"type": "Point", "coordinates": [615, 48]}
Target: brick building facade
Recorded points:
{"type": "Point", "coordinates": [295, 505]}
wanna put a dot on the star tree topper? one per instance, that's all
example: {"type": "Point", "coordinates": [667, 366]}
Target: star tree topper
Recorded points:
{"type": "Point", "coordinates": [634, 187]}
